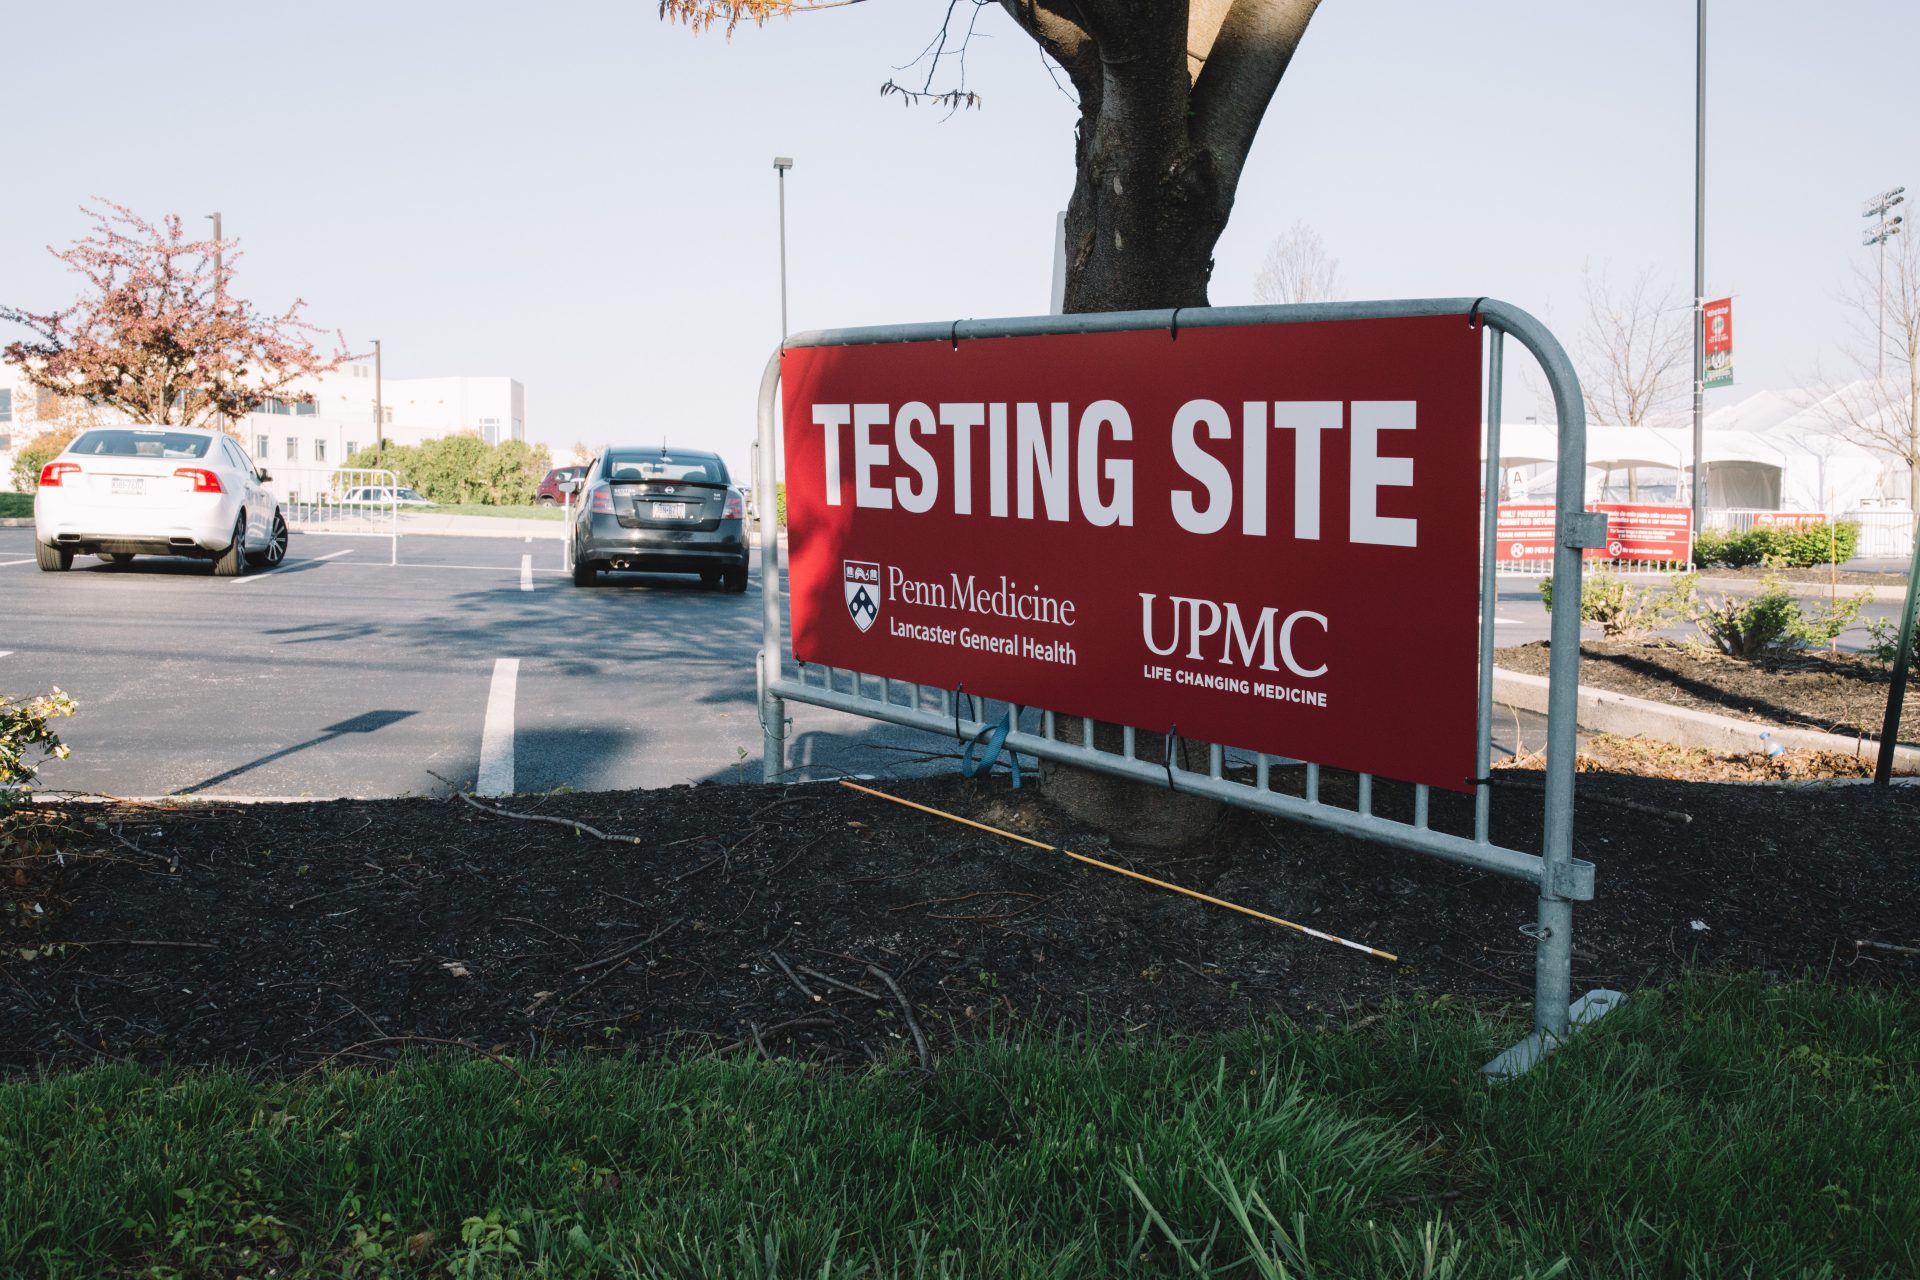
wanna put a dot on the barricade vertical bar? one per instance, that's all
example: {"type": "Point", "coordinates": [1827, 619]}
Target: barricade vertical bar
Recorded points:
{"type": "Point", "coordinates": [1313, 783]}
{"type": "Point", "coordinates": [1262, 771]}
{"type": "Point", "coordinates": [1216, 760]}
{"type": "Point", "coordinates": [1365, 805]}
{"type": "Point", "coordinates": [1553, 945]}
{"type": "Point", "coordinates": [1420, 805]}
{"type": "Point", "coordinates": [1489, 584]}
{"type": "Point", "coordinates": [773, 708]}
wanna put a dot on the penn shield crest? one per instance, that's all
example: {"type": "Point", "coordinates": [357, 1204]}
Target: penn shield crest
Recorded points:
{"type": "Point", "coordinates": [863, 592]}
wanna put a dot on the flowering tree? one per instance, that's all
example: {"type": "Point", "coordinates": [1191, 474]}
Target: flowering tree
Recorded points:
{"type": "Point", "coordinates": [1171, 95]}
{"type": "Point", "coordinates": [157, 333]}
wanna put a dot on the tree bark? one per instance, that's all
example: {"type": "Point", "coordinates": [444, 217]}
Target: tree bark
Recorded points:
{"type": "Point", "coordinates": [1171, 97]}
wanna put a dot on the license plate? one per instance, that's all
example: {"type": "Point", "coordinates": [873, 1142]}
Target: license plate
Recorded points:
{"type": "Point", "coordinates": [129, 484]}
{"type": "Point", "coordinates": [669, 511]}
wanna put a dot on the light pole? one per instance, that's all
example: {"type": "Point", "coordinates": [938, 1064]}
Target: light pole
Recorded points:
{"type": "Point", "coordinates": [1700, 271]}
{"type": "Point", "coordinates": [782, 164]}
{"type": "Point", "coordinates": [218, 290]}
{"type": "Point", "coordinates": [379, 414]}
{"type": "Point", "coordinates": [1878, 234]}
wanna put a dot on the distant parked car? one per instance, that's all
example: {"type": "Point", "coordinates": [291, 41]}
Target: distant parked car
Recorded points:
{"type": "Point", "coordinates": [118, 492]}
{"type": "Point", "coordinates": [661, 510]}
{"type": "Point", "coordinates": [550, 494]}
{"type": "Point", "coordinates": [383, 495]}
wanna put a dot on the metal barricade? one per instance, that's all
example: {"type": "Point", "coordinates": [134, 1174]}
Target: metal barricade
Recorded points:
{"type": "Point", "coordinates": [1560, 878]}
{"type": "Point", "coordinates": [1885, 532]}
{"type": "Point", "coordinates": [360, 502]}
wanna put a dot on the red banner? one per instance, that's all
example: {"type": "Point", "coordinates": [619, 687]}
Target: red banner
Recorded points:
{"type": "Point", "coordinates": [1639, 532]}
{"type": "Point", "coordinates": [1261, 535]}
{"type": "Point", "coordinates": [1523, 531]}
{"type": "Point", "coordinates": [1716, 319]}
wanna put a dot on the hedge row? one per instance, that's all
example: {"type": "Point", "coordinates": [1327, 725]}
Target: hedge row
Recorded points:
{"type": "Point", "coordinates": [1779, 548]}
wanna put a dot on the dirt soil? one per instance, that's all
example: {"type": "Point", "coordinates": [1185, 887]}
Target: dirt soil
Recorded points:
{"type": "Point", "coordinates": [809, 919]}
{"type": "Point", "coordinates": [1845, 694]}
{"type": "Point", "coordinates": [1815, 573]}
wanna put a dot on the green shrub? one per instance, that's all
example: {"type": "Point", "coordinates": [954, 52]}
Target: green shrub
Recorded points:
{"type": "Point", "coordinates": [1883, 641]}
{"type": "Point", "coordinates": [27, 740]}
{"type": "Point", "coordinates": [1623, 612]}
{"type": "Point", "coordinates": [1771, 622]}
{"type": "Point", "coordinates": [1778, 547]}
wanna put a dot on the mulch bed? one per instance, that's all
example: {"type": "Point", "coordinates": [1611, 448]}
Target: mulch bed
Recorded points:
{"type": "Point", "coordinates": [1814, 573]}
{"type": "Point", "coordinates": [1844, 694]}
{"type": "Point", "coordinates": [808, 920]}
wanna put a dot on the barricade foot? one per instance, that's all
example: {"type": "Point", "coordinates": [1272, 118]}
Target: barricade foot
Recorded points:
{"type": "Point", "coordinates": [1589, 1008]}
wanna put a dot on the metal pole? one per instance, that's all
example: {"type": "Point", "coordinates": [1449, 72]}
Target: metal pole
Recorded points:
{"type": "Point", "coordinates": [781, 164]}
{"type": "Point", "coordinates": [1902, 661]}
{"type": "Point", "coordinates": [773, 708]}
{"type": "Point", "coordinates": [1880, 349]}
{"type": "Point", "coordinates": [1700, 272]}
{"type": "Point", "coordinates": [1489, 588]}
{"type": "Point", "coordinates": [379, 413]}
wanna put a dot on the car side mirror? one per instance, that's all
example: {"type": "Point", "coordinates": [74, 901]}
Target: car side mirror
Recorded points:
{"type": "Point", "coordinates": [568, 486]}
{"type": "Point", "coordinates": [265, 475]}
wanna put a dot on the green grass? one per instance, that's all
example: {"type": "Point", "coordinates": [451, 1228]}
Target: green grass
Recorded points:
{"type": "Point", "coordinates": [528, 512]}
{"type": "Point", "coordinates": [1714, 1128]}
{"type": "Point", "coordinates": [15, 504]}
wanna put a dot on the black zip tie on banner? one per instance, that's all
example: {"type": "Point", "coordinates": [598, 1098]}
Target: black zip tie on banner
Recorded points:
{"type": "Point", "coordinates": [959, 692]}
{"type": "Point", "coordinates": [1474, 318]}
{"type": "Point", "coordinates": [1173, 325]}
{"type": "Point", "coordinates": [953, 335]}
{"type": "Point", "coordinates": [1173, 736]}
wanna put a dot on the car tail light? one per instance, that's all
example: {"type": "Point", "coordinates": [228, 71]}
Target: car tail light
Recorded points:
{"type": "Point", "coordinates": [204, 481]}
{"type": "Point", "coordinates": [736, 508]}
{"type": "Point", "coordinates": [600, 501]}
{"type": "Point", "coordinates": [52, 475]}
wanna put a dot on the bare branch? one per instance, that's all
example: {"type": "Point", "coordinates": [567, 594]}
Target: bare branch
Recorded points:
{"type": "Point", "coordinates": [1298, 269]}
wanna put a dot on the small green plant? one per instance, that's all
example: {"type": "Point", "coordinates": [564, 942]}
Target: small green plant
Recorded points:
{"type": "Point", "coordinates": [1770, 622]}
{"type": "Point", "coordinates": [1883, 640]}
{"type": "Point", "coordinates": [27, 741]}
{"type": "Point", "coordinates": [1624, 612]}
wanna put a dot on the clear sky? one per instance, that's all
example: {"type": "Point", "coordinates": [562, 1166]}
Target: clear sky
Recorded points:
{"type": "Point", "coordinates": [581, 197]}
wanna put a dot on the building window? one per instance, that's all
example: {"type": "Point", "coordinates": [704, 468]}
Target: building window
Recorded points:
{"type": "Point", "coordinates": [352, 448]}
{"type": "Point", "coordinates": [261, 446]}
{"type": "Point", "coordinates": [293, 449]}
{"type": "Point", "coordinates": [6, 404]}
{"type": "Point", "coordinates": [305, 408]}
{"type": "Point", "coordinates": [319, 450]}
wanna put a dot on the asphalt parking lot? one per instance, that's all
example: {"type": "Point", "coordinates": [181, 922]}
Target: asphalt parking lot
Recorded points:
{"type": "Point", "coordinates": [338, 674]}
{"type": "Point", "coordinates": [473, 661]}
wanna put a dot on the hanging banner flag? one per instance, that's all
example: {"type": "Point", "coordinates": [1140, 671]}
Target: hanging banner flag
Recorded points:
{"type": "Point", "coordinates": [1717, 319]}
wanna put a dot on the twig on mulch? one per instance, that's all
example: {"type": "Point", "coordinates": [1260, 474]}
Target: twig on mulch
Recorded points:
{"type": "Point", "coordinates": [1886, 946]}
{"type": "Point", "coordinates": [622, 954]}
{"type": "Point", "coordinates": [919, 1037]}
{"type": "Point", "coordinates": [558, 822]}
{"type": "Point", "coordinates": [135, 942]}
{"type": "Point", "coordinates": [794, 978]}
{"type": "Point", "coordinates": [811, 1020]}
{"type": "Point", "coordinates": [832, 981]}
{"type": "Point", "coordinates": [468, 1045]}
{"type": "Point", "coordinates": [1589, 797]}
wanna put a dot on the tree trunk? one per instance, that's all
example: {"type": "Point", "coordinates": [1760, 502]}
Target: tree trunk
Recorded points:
{"type": "Point", "coordinates": [1170, 99]}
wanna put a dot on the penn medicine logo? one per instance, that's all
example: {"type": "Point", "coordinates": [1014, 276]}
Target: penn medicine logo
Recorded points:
{"type": "Point", "coordinates": [863, 592]}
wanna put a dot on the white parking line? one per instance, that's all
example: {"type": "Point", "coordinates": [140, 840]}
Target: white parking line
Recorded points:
{"type": "Point", "coordinates": [496, 733]}
{"type": "Point", "coordinates": [5, 563]}
{"type": "Point", "coordinates": [6, 653]}
{"type": "Point", "coordinates": [526, 572]}
{"type": "Point", "coordinates": [268, 573]}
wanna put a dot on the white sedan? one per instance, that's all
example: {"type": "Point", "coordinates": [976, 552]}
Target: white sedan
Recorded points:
{"type": "Point", "coordinates": [383, 496]}
{"type": "Point", "coordinates": [118, 492]}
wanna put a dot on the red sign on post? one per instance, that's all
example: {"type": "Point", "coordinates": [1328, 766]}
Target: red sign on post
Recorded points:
{"type": "Point", "coordinates": [1716, 318]}
{"type": "Point", "coordinates": [1639, 532]}
{"type": "Point", "coordinates": [1788, 519]}
{"type": "Point", "coordinates": [1261, 536]}
{"type": "Point", "coordinates": [1523, 531]}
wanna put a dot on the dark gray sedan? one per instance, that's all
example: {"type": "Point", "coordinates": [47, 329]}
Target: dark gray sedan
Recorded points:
{"type": "Point", "coordinates": [660, 510]}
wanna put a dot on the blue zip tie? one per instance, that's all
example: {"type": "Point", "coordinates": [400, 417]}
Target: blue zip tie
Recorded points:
{"type": "Point", "coordinates": [995, 740]}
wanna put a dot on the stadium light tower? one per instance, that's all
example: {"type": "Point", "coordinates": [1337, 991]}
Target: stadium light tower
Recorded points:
{"type": "Point", "coordinates": [1888, 226]}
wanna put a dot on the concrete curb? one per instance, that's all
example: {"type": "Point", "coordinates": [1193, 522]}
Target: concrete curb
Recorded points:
{"type": "Point", "coordinates": [1806, 590]}
{"type": "Point", "coordinates": [16, 522]}
{"type": "Point", "coordinates": [1602, 711]}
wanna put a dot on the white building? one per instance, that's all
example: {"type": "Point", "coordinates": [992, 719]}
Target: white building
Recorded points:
{"type": "Point", "coordinates": [302, 442]}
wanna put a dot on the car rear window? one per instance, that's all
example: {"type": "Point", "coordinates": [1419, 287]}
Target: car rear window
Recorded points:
{"type": "Point", "coordinates": [627, 465]}
{"type": "Point", "coordinates": [119, 442]}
